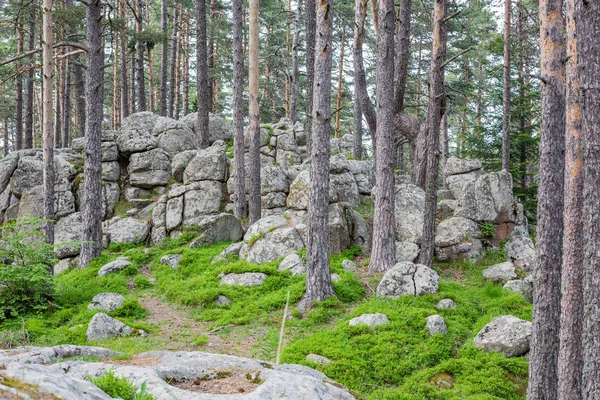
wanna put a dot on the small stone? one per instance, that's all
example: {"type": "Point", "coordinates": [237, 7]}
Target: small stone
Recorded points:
{"type": "Point", "coordinates": [317, 359]}
{"type": "Point", "coordinates": [348, 265]}
{"type": "Point", "coordinates": [335, 277]}
{"type": "Point", "coordinates": [500, 273]}
{"type": "Point", "coordinates": [113, 266]}
{"type": "Point", "coordinates": [370, 320]}
{"type": "Point", "coordinates": [506, 334]}
{"type": "Point", "coordinates": [104, 327]}
{"type": "Point", "coordinates": [171, 260]}
{"type": "Point", "coordinates": [222, 301]}
{"type": "Point", "coordinates": [521, 287]}
{"type": "Point", "coordinates": [246, 279]}
{"type": "Point", "coordinates": [106, 301]}
{"type": "Point", "coordinates": [292, 263]}
{"type": "Point", "coordinates": [446, 304]}
{"type": "Point", "coordinates": [436, 324]}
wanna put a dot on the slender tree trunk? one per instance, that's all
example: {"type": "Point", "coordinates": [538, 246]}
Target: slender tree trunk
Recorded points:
{"type": "Point", "coordinates": [28, 130]}
{"type": "Point", "coordinates": [238, 111]}
{"type": "Point", "coordinates": [139, 47]}
{"type": "Point", "coordinates": [125, 105]}
{"type": "Point", "coordinates": [521, 83]}
{"type": "Point", "coordinates": [543, 356]}
{"type": "Point", "coordinates": [588, 29]}
{"type": "Point", "coordinates": [338, 111]}
{"type": "Point", "coordinates": [570, 359]}
{"type": "Point", "coordinates": [66, 101]}
{"type": "Point", "coordinates": [357, 143]}
{"type": "Point", "coordinates": [162, 102]}
{"type": "Point", "coordinates": [295, 65]}
{"type": "Point", "coordinates": [288, 61]}
{"type": "Point", "coordinates": [445, 147]}
{"type": "Point", "coordinates": [5, 144]}
{"type": "Point", "coordinates": [48, 127]}
{"type": "Point", "coordinates": [92, 193]}
{"type": "Point", "coordinates": [19, 92]}
{"type": "Point", "coordinates": [116, 95]}
{"type": "Point", "coordinates": [360, 80]}
{"type": "Point", "coordinates": [402, 54]}
{"type": "Point", "coordinates": [57, 118]}
{"type": "Point", "coordinates": [434, 115]}
{"type": "Point", "coordinates": [211, 56]}
{"type": "Point", "coordinates": [254, 154]}
{"type": "Point", "coordinates": [150, 64]}
{"type": "Point", "coordinates": [202, 86]}
{"type": "Point", "coordinates": [173, 61]}
{"type": "Point", "coordinates": [506, 102]}
{"type": "Point", "coordinates": [318, 277]}
{"type": "Point", "coordinates": [311, 26]}
{"type": "Point", "coordinates": [133, 93]}
{"type": "Point", "coordinates": [383, 254]}
{"type": "Point", "coordinates": [186, 67]}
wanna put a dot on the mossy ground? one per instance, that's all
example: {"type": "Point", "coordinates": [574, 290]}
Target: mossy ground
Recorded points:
{"type": "Point", "coordinates": [395, 361]}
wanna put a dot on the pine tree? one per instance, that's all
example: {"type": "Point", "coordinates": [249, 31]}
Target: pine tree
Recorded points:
{"type": "Point", "coordinates": [48, 125]}
{"type": "Point", "coordinates": [254, 110]}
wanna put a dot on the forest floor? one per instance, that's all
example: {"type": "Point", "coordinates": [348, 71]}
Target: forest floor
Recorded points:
{"type": "Point", "coordinates": [399, 360]}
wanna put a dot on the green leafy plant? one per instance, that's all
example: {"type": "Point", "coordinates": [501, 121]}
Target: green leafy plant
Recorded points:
{"type": "Point", "coordinates": [26, 260]}
{"type": "Point", "coordinates": [142, 282]}
{"type": "Point", "coordinates": [120, 387]}
{"type": "Point", "coordinates": [487, 229]}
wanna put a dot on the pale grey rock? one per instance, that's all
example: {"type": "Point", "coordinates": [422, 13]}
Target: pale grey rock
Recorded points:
{"type": "Point", "coordinates": [8, 165]}
{"type": "Point", "coordinates": [273, 200]}
{"type": "Point", "coordinates": [174, 213]}
{"type": "Point", "coordinates": [338, 164]}
{"type": "Point", "coordinates": [180, 162]}
{"type": "Point", "coordinates": [436, 324]}
{"type": "Point", "coordinates": [149, 169]}
{"type": "Point", "coordinates": [522, 287]}
{"type": "Point", "coordinates": [335, 277]}
{"type": "Point", "coordinates": [455, 166]}
{"type": "Point", "coordinates": [287, 158]}
{"type": "Point", "coordinates": [360, 230]}
{"type": "Point", "coordinates": [348, 265]}
{"type": "Point", "coordinates": [142, 121]}
{"type": "Point", "coordinates": [317, 359]}
{"type": "Point", "coordinates": [339, 232]}
{"type": "Point", "coordinates": [222, 301]}
{"type": "Point", "coordinates": [406, 278]}
{"type": "Point", "coordinates": [444, 194]}
{"type": "Point", "coordinates": [370, 320]}
{"type": "Point", "coordinates": [219, 228]}
{"type": "Point", "coordinates": [65, 264]}
{"type": "Point", "coordinates": [113, 266]}
{"type": "Point", "coordinates": [264, 226]}
{"type": "Point", "coordinates": [506, 334]}
{"type": "Point", "coordinates": [171, 260]}
{"type": "Point", "coordinates": [409, 212]}
{"type": "Point", "coordinates": [457, 184]}
{"type": "Point", "coordinates": [273, 245]}
{"type": "Point", "coordinates": [157, 235]}
{"type": "Point", "coordinates": [490, 198]}
{"type": "Point", "coordinates": [298, 196]}
{"type": "Point", "coordinates": [406, 251]}
{"type": "Point", "coordinates": [27, 175]}
{"type": "Point", "coordinates": [132, 141]}
{"type": "Point", "coordinates": [500, 273]}
{"type": "Point", "coordinates": [201, 200]}
{"type": "Point", "coordinates": [174, 136]}
{"type": "Point", "coordinates": [232, 250]}
{"type": "Point", "coordinates": [48, 355]}
{"type": "Point", "coordinates": [456, 230]}
{"type": "Point", "coordinates": [68, 235]}
{"type": "Point", "coordinates": [248, 279]}
{"type": "Point", "coordinates": [128, 230]}
{"type": "Point", "coordinates": [294, 264]}
{"type": "Point", "coordinates": [342, 187]}
{"type": "Point", "coordinates": [111, 171]}
{"type": "Point", "coordinates": [106, 301]}
{"type": "Point", "coordinates": [273, 179]}
{"type": "Point", "coordinates": [521, 251]}
{"type": "Point", "coordinates": [104, 327]}
{"type": "Point", "coordinates": [445, 209]}
{"type": "Point", "coordinates": [448, 304]}
{"type": "Point", "coordinates": [218, 128]}
{"type": "Point", "coordinates": [208, 164]}
{"type": "Point", "coordinates": [159, 213]}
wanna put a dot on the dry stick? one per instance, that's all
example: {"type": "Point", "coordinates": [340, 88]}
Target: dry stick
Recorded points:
{"type": "Point", "coordinates": [280, 345]}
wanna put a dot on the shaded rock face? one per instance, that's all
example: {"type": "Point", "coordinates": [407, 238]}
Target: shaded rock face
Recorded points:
{"type": "Point", "coordinates": [127, 230]}
{"type": "Point", "coordinates": [520, 250]}
{"type": "Point", "coordinates": [406, 278]}
{"type": "Point", "coordinates": [219, 228]}
{"type": "Point", "coordinates": [294, 264]}
{"type": "Point", "coordinates": [458, 238]}
{"type": "Point", "coordinates": [506, 334]}
{"type": "Point", "coordinates": [523, 287]}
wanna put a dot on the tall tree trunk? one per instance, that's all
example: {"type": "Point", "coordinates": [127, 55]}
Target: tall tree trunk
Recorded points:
{"type": "Point", "coordinates": [92, 158]}
{"type": "Point", "coordinates": [288, 61]}
{"type": "Point", "coordinates": [173, 61]}
{"type": "Point", "coordinates": [357, 142]}
{"type": "Point", "coordinates": [133, 93]}
{"type": "Point", "coordinates": [186, 66]}
{"type": "Point", "coordinates": [116, 108]}
{"type": "Point", "coordinates": [125, 99]}
{"type": "Point", "coordinates": [19, 92]}
{"type": "Point", "coordinates": [588, 29]}
{"type": "Point", "coordinates": [238, 111]}
{"type": "Point", "coordinates": [28, 130]}
{"type": "Point", "coordinates": [383, 254]}
{"type": "Point", "coordinates": [254, 153]}
{"type": "Point", "coordinates": [48, 126]}
{"type": "Point", "coordinates": [402, 54]}
{"type": "Point", "coordinates": [311, 26]}
{"type": "Point", "coordinates": [57, 118]}
{"type": "Point", "coordinates": [521, 84]}
{"type": "Point", "coordinates": [506, 101]}
{"type": "Point", "coordinates": [150, 64]}
{"type": "Point", "coordinates": [338, 110]}
{"type": "Point", "coordinates": [445, 147]}
{"type": "Point", "coordinates": [66, 104]}
{"type": "Point", "coordinates": [295, 65]}
{"type": "Point", "coordinates": [543, 356]}
{"type": "Point", "coordinates": [162, 102]}
{"type": "Point", "coordinates": [202, 74]}
{"type": "Point", "coordinates": [360, 80]}
{"type": "Point", "coordinates": [211, 56]}
{"type": "Point", "coordinates": [5, 144]}
{"type": "Point", "coordinates": [570, 359]}
{"type": "Point", "coordinates": [139, 48]}
{"type": "Point", "coordinates": [434, 115]}
{"type": "Point", "coordinates": [318, 277]}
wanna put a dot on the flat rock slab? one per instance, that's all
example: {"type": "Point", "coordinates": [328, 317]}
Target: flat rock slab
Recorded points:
{"type": "Point", "coordinates": [500, 273]}
{"type": "Point", "coordinates": [246, 279]}
{"type": "Point", "coordinates": [406, 278]}
{"type": "Point", "coordinates": [114, 266]}
{"type": "Point", "coordinates": [370, 320]}
{"type": "Point", "coordinates": [506, 334]}
{"type": "Point", "coordinates": [106, 301]}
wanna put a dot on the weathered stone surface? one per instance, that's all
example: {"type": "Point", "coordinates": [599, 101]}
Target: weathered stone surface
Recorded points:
{"type": "Point", "coordinates": [171, 260]}
{"type": "Point", "coordinates": [523, 287]}
{"type": "Point", "coordinates": [360, 230]}
{"type": "Point", "coordinates": [114, 266]}
{"type": "Point", "coordinates": [218, 128]}
{"type": "Point", "coordinates": [180, 162]}
{"type": "Point", "coordinates": [65, 264]}
{"type": "Point", "coordinates": [222, 301]}
{"type": "Point", "coordinates": [68, 235]}
{"type": "Point", "coordinates": [128, 230]}
{"type": "Point", "coordinates": [246, 279]}
{"type": "Point", "coordinates": [273, 245]}
{"type": "Point", "coordinates": [273, 179]}
{"type": "Point", "coordinates": [339, 232]}
{"type": "Point", "coordinates": [47, 355]}
{"type": "Point", "coordinates": [28, 174]}
{"type": "Point", "coordinates": [446, 304]}
{"type": "Point", "coordinates": [294, 264]}
{"type": "Point", "coordinates": [500, 273]}
{"type": "Point", "coordinates": [265, 225]}
{"type": "Point", "coordinates": [406, 251]}
{"type": "Point", "coordinates": [406, 278]}
{"type": "Point", "coordinates": [348, 265]}
{"type": "Point", "coordinates": [273, 200]}
{"type": "Point", "coordinates": [490, 198]}
{"type": "Point", "coordinates": [232, 250]}
{"type": "Point", "coordinates": [521, 251]}
{"type": "Point", "coordinates": [136, 133]}
{"type": "Point", "coordinates": [174, 136]}
{"type": "Point", "coordinates": [174, 213]}
{"type": "Point", "coordinates": [111, 171]}
{"type": "Point", "coordinates": [106, 301]}
{"type": "Point", "coordinates": [317, 359]}
{"type": "Point", "coordinates": [445, 209]}
{"type": "Point", "coordinates": [455, 166]}
{"type": "Point", "coordinates": [219, 228]}
{"type": "Point", "coordinates": [409, 211]}
{"type": "Point", "coordinates": [506, 334]}
{"type": "Point", "coordinates": [436, 324]}
{"type": "Point", "coordinates": [298, 197]}
{"type": "Point", "coordinates": [149, 169]}
{"type": "Point", "coordinates": [201, 199]}
{"type": "Point", "coordinates": [208, 164]}
{"type": "Point", "coordinates": [342, 187]}
{"type": "Point", "coordinates": [457, 184]}
{"type": "Point", "coordinates": [104, 327]}
{"type": "Point", "coordinates": [456, 230]}
{"type": "Point", "coordinates": [8, 165]}
{"type": "Point", "coordinates": [370, 320]}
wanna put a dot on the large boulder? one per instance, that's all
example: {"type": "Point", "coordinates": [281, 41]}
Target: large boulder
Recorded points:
{"type": "Point", "coordinates": [506, 334]}
{"type": "Point", "coordinates": [273, 245]}
{"type": "Point", "coordinates": [219, 228]}
{"type": "Point", "coordinates": [68, 235]}
{"type": "Point", "coordinates": [136, 133]}
{"type": "Point", "coordinates": [104, 327]}
{"type": "Point", "coordinates": [218, 128]}
{"type": "Point", "coordinates": [149, 169]}
{"type": "Point", "coordinates": [114, 266]}
{"type": "Point", "coordinates": [489, 198]}
{"type": "Point", "coordinates": [520, 250]}
{"type": "Point", "coordinates": [27, 175]}
{"type": "Point", "coordinates": [247, 279]}
{"type": "Point", "coordinates": [406, 251]}
{"type": "Point", "coordinates": [8, 165]}
{"type": "Point", "coordinates": [409, 212]}
{"type": "Point", "coordinates": [500, 273]}
{"type": "Point", "coordinates": [294, 264]}
{"type": "Point", "coordinates": [406, 278]}
{"type": "Point", "coordinates": [208, 164]}
{"type": "Point", "coordinates": [298, 197]}
{"type": "Point", "coordinates": [456, 166]}
{"type": "Point", "coordinates": [106, 301]}
{"type": "Point", "coordinates": [201, 199]}
{"type": "Point", "coordinates": [174, 136]}
{"type": "Point", "coordinates": [128, 230]}
{"type": "Point", "coordinates": [273, 179]}
{"type": "Point", "coordinates": [457, 184]}
{"type": "Point", "coordinates": [458, 238]}
{"type": "Point", "coordinates": [370, 320]}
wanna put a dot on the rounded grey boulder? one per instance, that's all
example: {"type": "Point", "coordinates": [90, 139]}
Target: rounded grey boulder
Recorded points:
{"type": "Point", "coordinates": [406, 278]}
{"type": "Point", "coordinates": [506, 334]}
{"type": "Point", "coordinates": [106, 301]}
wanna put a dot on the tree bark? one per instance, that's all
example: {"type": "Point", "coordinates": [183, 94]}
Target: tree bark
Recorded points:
{"type": "Point", "coordinates": [5, 144]}
{"type": "Point", "coordinates": [19, 92]}
{"type": "Point", "coordinates": [174, 49]}
{"type": "Point", "coordinates": [432, 123]}
{"type": "Point", "coordinates": [151, 92]}
{"type": "Point", "coordinates": [186, 67]}
{"type": "Point", "coordinates": [445, 147]}
{"type": "Point", "coordinates": [402, 54]}
{"type": "Point", "coordinates": [139, 47]}
{"type": "Point", "coordinates": [133, 93]}
{"type": "Point", "coordinates": [164, 60]}
{"type": "Point", "coordinates": [57, 107]}
{"type": "Point", "coordinates": [295, 65]}
{"type": "Point", "coordinates": [125, 106]}
{"type": "Point", "coordinates": [254, 111]}
{"type": "Point", "coordinates": [318, 277]}
{"type": "Point", "coordinates": [240, 209]}
{"type": "Point", "coordinates": [92, 193]}
{"type": "Point", "coordinates": [311, 26]}
{"type": "Point", "coordinates": [338, 110]}
{"type": "Point", "coordinates": [383, 253]}
{"type": "Point", "coordinates": [357, 142]}
{"type": "Point", "coordinates": [546, 300]}
{"type": "Point", "coordinates": [28, 129]}
{"type": "Point", "coordinates": [48, 126]}
{"type": "Point", "coordinates": [202, 85]}
{"type": "Point", "coordinates": [66, 104]}
{"type": "Point", "coordinates": [360, 80]}
{"type": "Point", "coordinates": [506, 101]}
{"type": "Point", "coordinates": [570, 359]}
{"type": "Point", "coordinates": [588, 29]}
